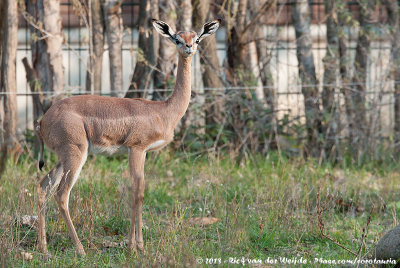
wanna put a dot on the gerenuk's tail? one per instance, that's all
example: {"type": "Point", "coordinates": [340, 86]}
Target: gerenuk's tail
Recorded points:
{"type": "Point", "coordinates": [41, 144]}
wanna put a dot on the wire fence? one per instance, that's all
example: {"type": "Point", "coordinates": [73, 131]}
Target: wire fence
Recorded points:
{"type": "Point", "coordinates": [283, 63]}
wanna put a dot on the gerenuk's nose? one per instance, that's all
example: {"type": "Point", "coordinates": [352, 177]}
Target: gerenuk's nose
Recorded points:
{"type": "Point", "coordinates": [189, 46]}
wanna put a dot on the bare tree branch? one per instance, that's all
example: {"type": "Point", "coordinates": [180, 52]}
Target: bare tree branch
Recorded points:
{"type": "Point", "coordinates": [264, 8]}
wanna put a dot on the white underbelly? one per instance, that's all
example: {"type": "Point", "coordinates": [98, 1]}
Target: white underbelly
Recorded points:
{"type": "Point", "coordinates": [156, 145]}
{"type": "Point", "coordinates": [108, 150]}
{"type": "Point", "coordinates": [121, 149]}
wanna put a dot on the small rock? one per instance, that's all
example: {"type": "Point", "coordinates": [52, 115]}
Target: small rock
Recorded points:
{"type": "Point", "coordinates": [29, 220]}
{"type": "Point", "coordinates": [169, 173]}
{"type": "Point", "coordinates": [26, 255]}
{"type": "Point", "coordinates": [107, 243]}
{"type": "Point", "coordinates": [110, 244]}
{"type": "Point", "coordinates": [389, 245]}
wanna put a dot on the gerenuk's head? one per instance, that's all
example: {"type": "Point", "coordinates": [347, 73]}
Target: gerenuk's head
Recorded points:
{"type": "Point", "coordinates": [187, 41]}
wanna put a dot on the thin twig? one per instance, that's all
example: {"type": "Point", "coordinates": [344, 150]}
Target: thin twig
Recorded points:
{"type": "Point", "coordinates": [365, 231]}
{"type": "Point", "coordinates": [321, 227]}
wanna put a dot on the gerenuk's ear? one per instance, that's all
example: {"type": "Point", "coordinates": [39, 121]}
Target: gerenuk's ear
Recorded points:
{"type": "Point", "coordinates": [208, 29]}
{"type": "Point", "coordinates": [164, 29]}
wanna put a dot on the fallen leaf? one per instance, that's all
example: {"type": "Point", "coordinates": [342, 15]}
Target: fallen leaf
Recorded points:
{"type": "Point", "coordinates": [109, 231]}
{"type": "Point", "coordinates": [204, 221]}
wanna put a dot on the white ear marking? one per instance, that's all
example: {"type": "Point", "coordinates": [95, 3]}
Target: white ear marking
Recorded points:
{"type": "Point", "coordinates": [208, 29]}
{"type": "Point", "coordinates": [164, 29]}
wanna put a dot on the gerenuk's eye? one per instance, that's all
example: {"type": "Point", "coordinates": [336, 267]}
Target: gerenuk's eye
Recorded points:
{"type": "Point", "coordinates": [177, 42]}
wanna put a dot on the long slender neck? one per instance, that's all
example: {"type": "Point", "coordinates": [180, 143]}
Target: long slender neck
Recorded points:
{"type": "Point", "coordinates": [178, 102]}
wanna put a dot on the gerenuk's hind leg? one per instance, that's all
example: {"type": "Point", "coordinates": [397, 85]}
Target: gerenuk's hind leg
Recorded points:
{"type": "Point", "coordinates": [73, 160]}
{"type": "Point", "coordinates": [44, 188]}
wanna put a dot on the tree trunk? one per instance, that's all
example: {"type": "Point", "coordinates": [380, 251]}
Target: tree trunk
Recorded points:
{"type": "Point", "coordinates": [52, 25]}
{"type": "Point", "coordinates": [265, 77]}
{"type": "Point", "coordinates": [211, 73]}
{"type": "Point", "coordinates": [330, 77]}
{"type": "Point", "coordinates": [3, 10]}
{"type": "Point", "coordinates": [47, 73]}
{"type": "Point", "coordinates": [270, 97]}
{"type": "Point", "coordinates": [8, 75]}
{"type": "Point", "coordinates": [344, 69]}
{"type": "Point", "coordinates": [37, 97]}
{"type": "Point", "coordinates": [252, 58]}
{"type": "Point", "coordinates": [97, 29]}
{"type": "Point", "coordinates": [114, 29]}
{"type": "Point", "coordinates": [242, 50]}
{"type": "Point", "coordinates": [167, 60]}
{"type": "Point", "coordinates": [301, 19]}
{"type": "Point", "coordinates": [34, 85]}
{"type": "Point", "coordinates": [40, 57]}
{"type": "Point", "coordinates": [236, 55]}
{"type": "Point", "coordinates": [47, 46]}
{"type": "Point", "coordinates": [393, 10]}
{"type": "Point", "coordinates": [184, 15]}
{"type": "Point", "coordinates": [240, 25]}
{"type": "Point", "coordinates": [237, 76]}
{"type": "Point", "coordinates": [147, 51]}
{"type": "Point", "coordinates": [243, 71]}
{"type": "Point", "coordinates": [360, 129]}
{"type": "Point", "coordinates": [264, 58]}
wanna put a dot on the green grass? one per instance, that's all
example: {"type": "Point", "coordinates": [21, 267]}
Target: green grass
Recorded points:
{"type": "Point", "coordinates": [267, 207]}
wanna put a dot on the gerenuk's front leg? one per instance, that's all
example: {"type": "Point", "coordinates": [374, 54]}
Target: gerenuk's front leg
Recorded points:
{"type": "Point", "coordinates": [136, 165]}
